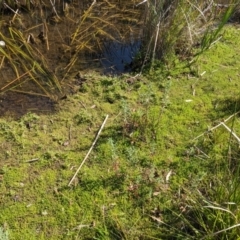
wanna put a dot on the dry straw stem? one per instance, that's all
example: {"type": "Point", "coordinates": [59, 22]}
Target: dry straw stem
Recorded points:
{"type": "Point", "coordinates": [1, 64]}
{"type": "Point", "coordinates": [89, 151]}
{"type": "Point", "coordinates": [16, 79]}
{"type": "Point", "coordinates": [230, 130]}
{"type": "Point", "coordinates": [221, 124]}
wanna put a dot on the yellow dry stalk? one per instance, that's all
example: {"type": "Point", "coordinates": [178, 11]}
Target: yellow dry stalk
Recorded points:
{"type": "Point", "coordinates": [110, 5]}
{"type": "Point", "coordinates": [86, 14]}
{"type": "Point", "coordinates": [40, 86]}
{"type": "Point", "coordinates": [10, 59]}
{"type": "Point", "coordinates": [19, 84]}
{"type": "Point", "coordinates": [22, 58]}
{"type": "Point", "coordinates": [69, 66]}
{"type": "Point", "coordinates": [86, 30]}
{"type": "Point", "coordinates": [32, 93]}
{"type": "Point", "coordinates": [82, 46]}
{"type": "Point", "coordinates": [90, 21]}
{"type": "Point", "coordinates": [13, 81]}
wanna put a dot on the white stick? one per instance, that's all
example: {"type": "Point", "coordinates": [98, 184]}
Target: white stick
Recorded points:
{"type": "Point", "coordinates": [231, 131]}
{"type": "Point", "coordinates": [216, 126]}
{"type": "Point", "coordinates": [89, 151]}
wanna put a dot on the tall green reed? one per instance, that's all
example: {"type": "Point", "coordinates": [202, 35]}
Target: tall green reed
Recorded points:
{"type": "Point", "coordinates": [174, 27]}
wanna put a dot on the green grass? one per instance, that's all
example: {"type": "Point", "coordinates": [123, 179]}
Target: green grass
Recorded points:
{"type": "Point", "coordinates": [147, 178]}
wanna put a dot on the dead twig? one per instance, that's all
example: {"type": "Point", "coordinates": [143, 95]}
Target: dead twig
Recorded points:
{"type": "Point", "coordinates": [231, 131]}
{"type": "Point", "coordinates": [220, 124]}
{"type": "Point", "coordinates": [46, 33]}
{"type": "Point", "coordinates": [32, 160]}
{"type": "Point", "coordinates": [15, 12]}
{"type": "Point", "coordinates": [70, 133]}
{"type": "Point", "coordinates": [54, 9]}
{"type": "Point", "coordinates": [89, 151]}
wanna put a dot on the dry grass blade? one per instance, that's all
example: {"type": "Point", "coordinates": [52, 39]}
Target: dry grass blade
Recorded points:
{"type": "Point", "coordinates": [27, 65]}
{"type": "Point", "coordinates": [30, 93]}
{"type": "Point", "coordinates": [82, 20]}
{"type": "Point", "coordinates": [13, 81]}
{"type": "Point", "coordinates": [221, 209]}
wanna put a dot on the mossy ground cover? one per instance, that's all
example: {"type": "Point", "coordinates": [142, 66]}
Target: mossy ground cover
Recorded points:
{"type": "Point", "coordinates": [146, 173]}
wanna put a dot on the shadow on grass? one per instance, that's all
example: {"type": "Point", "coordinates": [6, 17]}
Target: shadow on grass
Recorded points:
{"type": "Point", "coordinates": [228, 106]}
{"type": "Point", "coordinates": [113, 183]}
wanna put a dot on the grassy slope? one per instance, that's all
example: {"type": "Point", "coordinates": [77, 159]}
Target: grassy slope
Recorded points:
{"type": "Point", "coordinates": [121, 192]}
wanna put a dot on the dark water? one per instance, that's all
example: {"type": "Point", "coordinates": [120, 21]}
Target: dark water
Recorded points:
{"type": "Point", "coordinates": [118, 57]}
{"type": "Point", "coordinates": [17, 104]}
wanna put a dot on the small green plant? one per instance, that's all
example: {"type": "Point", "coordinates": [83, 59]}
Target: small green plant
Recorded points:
{"type": "Point", "coordinates": [4, 234]}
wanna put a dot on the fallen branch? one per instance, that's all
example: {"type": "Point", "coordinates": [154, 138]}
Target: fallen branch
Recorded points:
{"type": "Point", "coordinates": [89, 151]}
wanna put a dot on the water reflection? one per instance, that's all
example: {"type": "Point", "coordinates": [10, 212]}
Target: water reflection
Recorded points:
{"type": "Point", "coordinates": [118, 57]}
